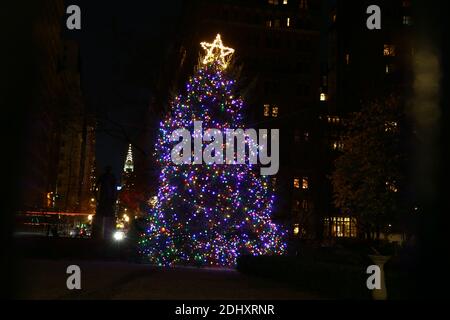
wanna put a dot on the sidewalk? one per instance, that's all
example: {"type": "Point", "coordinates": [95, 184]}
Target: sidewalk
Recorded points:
{"type": "Point", "coordinates": [46, 279]}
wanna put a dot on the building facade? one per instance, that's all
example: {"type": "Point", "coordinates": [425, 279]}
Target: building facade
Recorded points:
{"type": "Point", "coordinates": [362, 66]}
{"type": "Point", "coordinates": [59, 160]}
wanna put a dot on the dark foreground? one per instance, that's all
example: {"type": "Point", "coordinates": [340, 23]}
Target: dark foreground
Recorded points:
{"type": "Point", "coordinates": [109, 271]}
{"type": "Point", "coordinates": [45, 279]}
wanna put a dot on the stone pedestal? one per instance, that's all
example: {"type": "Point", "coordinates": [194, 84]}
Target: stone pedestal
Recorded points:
{"type": "Point", "coordinates": [379, 260]}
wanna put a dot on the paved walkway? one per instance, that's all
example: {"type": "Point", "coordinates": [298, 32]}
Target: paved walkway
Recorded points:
{"type": "Point", "coordinates": [46, 279]}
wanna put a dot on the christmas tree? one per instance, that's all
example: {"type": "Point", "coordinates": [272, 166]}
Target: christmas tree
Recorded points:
{"type": "Point", "coordinates": [209, 214]}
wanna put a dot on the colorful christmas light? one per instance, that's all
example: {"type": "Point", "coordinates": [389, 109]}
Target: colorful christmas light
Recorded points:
{"type": "Point", "coordinates": [209, 214]}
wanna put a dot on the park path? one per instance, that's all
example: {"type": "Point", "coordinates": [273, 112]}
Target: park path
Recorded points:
{"type": "Point", "coordinates": [46, 279]}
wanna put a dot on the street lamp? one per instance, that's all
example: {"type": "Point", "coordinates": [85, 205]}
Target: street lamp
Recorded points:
{"type": "Point", "coordinates": [119, 235]}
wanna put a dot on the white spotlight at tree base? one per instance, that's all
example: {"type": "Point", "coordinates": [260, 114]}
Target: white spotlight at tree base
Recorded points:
{"type": "Point", "coordinates": [119, 235]}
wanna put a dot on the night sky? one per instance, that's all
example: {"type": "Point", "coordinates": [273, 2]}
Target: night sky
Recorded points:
{"type": "Point", "coordinates": [122, 45]}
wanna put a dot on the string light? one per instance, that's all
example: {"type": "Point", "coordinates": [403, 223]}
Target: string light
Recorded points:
{"type": "Point", "coordinates": [209, 214]}
{"type": "Point", "coordinates": [216, 51]}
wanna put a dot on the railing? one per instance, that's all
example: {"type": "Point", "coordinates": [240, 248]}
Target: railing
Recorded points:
{"type": "Point", "coordinates": [53, 223]}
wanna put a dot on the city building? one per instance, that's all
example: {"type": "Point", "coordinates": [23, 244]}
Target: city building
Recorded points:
{"type": "Point", "coordinates": [128, 173]}
{"type": "Point", "coordinates": [129, 197]}
{"type": "Point", "coordinates": [76, 159]}
{"type": "Point", "coordinates": [59, 148]}
{"type": "Point", "coordinates": [362, 65]}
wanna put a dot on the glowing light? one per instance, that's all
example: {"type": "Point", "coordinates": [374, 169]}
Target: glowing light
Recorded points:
{"type": "Point", "coordinates": [119, 235]}
{"type": "Point", "coordinates": [216, 51]}
{"type": "Point", "coordinates": [209, 214]}
{"type": "Point", "coordinates": [274, 112]}
{"type": "Point", "coordinates": [120, 225]}
{"type": "Point", "coordinates": [305, 184]}
{"type": "Point", "coordinates": [90, 217]}
{"type": "Point", "coordinates": [266, 110]}
{"type": "Point", "coordinates": [153, 201]}
{"type": "Point", "coordinates": [129, 166]}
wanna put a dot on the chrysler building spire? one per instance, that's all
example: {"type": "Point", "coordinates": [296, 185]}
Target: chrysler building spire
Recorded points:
{"type": "Point", "coordinates": [129, 165]}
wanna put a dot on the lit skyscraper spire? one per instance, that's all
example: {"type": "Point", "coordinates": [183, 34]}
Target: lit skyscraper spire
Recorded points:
{"type": "Point", "coordinates": [129, 166]}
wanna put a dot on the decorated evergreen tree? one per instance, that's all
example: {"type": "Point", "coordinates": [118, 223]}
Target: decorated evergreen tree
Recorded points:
{"type": "Point", "coordinates": [209, 214]}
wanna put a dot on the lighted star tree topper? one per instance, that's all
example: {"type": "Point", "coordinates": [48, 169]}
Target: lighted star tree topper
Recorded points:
{"type": "Point", "coordinates": [209, 214]}
{"type": "Point", "coordinates": [216, 51]}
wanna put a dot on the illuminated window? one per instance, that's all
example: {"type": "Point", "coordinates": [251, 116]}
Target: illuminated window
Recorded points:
{"type": "Point", "coordinates": [274, 2]}
{"type": "Point", "coordinates": [296, 229]}
{"type": "Point", "coordinates": [333, 17]}
{"type": "Point", "coordinates": [341, 227]}
{"type": "Point", "coordinates": [389, 50]}
{"type": "Point", "coordinates": [270, 111]}
{"type": "Point", "coordinates": [303, 4]}
{"type": "Point", "coordinates": [274, 112]}
{"type": "Point", "coordinates": [269, 23]}
{"type": "Point", "coordinates": [266, 110]}
{"type": "Point", "coordinates": [50, 200]}
{"type": "Point", "coordinates": [407, 21]}
{"type": "Point", "coordinates": [323, 96]}
{"type": "Point", "coordinates": [347, 58]}
{"type": "Point", "coordinates": [288, 22]}
{"type": "Point", "coordinates": [296, 183]}
{"type": "Point", "coordinates": [390, 126]}
{"type": "Point", "coordinates": [337, 145]}
{"type": "Point", "coordinates": [392, 186]}
{"type": "Point", "coordinates": [305, 184]}
{"type": "Point", "coordinates": [389, 68]}
{"type": "Point", "coordinates": [285, 1]}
